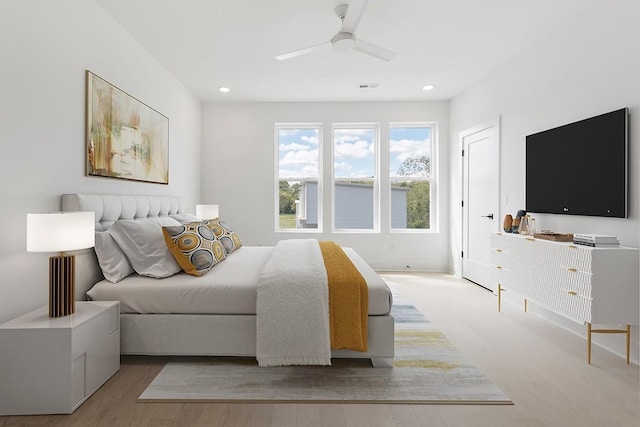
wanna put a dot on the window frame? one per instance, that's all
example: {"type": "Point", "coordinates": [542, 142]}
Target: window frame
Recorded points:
{"type": "Point", "coordinates": [375, 180]}
{"type": "Point", "coordinates": [432, 178]}
{"type": "Point", "coordinates": [298, 126]}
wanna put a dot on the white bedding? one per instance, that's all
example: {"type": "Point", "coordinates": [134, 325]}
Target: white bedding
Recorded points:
{"type": "Point", "coordinates": [292, 314]}
{"type": "Point", "coordinates": [229, 288]}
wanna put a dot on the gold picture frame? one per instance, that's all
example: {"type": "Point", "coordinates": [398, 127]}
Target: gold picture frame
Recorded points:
{"type": "Point", "coordinates": [125, 138]}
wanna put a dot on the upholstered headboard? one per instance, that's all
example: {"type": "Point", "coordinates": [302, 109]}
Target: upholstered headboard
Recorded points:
{"type": "Point", "coordinates": [109, 208]}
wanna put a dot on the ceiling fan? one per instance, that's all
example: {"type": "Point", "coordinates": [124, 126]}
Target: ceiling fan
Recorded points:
{"type": "Point", "coordinates": [345, 39]}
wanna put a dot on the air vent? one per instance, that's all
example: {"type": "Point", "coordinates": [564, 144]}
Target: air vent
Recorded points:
{"type": "Point", "coordinates": [369, 85]}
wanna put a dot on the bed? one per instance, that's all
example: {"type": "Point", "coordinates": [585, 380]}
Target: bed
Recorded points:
{"type": "Point", "coordinates": [214, 314]}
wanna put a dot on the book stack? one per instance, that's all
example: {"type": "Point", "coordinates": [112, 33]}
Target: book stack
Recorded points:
{"type": "Point", "coordinates": [596, 240]}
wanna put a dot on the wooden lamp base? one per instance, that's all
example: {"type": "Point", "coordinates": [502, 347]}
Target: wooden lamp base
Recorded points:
{"type": "Point", "coordinates": [62, 300]}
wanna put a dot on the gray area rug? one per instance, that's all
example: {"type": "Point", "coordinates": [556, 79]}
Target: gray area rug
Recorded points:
{"type": "Point", "coordinates": [428, 369]}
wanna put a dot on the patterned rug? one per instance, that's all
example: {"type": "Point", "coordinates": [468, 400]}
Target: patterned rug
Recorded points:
{"type": "Point", "coordinates": [428, 369]}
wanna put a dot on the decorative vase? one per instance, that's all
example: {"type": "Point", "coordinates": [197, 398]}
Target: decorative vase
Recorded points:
{"type": "Point", "coordinates": [507, 223]}
{"type": "Point", "coordinates": [524, 225]}
{"type": "Point", "coordinates": [515, 226]}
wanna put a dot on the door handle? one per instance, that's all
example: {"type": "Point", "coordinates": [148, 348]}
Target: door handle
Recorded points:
{"type": "Point", "coordinates": [490, 216]}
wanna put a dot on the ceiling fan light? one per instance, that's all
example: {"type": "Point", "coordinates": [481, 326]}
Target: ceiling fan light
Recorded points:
{"type": "Point", "coordinates": [223, 89]}
{"type": "Point", "coordinates": [343, 41]}
{"type": "Point", "coordinates": [427, 88]}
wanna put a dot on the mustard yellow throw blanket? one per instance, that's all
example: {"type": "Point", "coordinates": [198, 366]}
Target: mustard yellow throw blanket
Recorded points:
{"type": "Point", "coordinates": [348, 299]}
{"type": "Point", "coordinates": [311, 298]}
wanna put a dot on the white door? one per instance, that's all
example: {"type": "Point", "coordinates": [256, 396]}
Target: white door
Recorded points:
{"type": "Point", "coordinates": [480, 206]}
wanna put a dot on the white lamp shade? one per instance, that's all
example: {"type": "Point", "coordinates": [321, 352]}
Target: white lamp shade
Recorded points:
{"type": "Point", "coordinates": [60, 231]}
{"type": "Point", "coordinates": [207, 211]}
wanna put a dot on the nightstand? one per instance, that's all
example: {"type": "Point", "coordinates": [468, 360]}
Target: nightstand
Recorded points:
{"type": "Point", "coordinates": [52, 365]}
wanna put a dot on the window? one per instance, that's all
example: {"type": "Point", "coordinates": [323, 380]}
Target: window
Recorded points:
{"type": "Point", "coordinates": [298, 198]}
{"type": "Point", "coordinates": [410, 175]}
{"type": "Point", "coordinates": [355, 185]}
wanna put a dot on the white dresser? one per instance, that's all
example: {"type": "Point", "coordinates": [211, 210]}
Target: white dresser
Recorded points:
{"type": "Point", "coordinates": [52, 365]}
{"type": "Point", "coordinates": [584, 284]}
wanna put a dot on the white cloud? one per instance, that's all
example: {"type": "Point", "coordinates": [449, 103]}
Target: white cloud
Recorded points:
{"type": "Point", "coordinates": [350, 135]}
{"type": "Point", "coordinates": [341, 166]}
{"type": "Point", "coordinates": [307, 171]}
{"type": "Point", "coordinates": [303, 158]}
{"type": "Point", "coordinates": [294, 146]}
{"type": "Point", "coordinates": [359, 150]}
{"type": "Point", "coordinates": [310, 139]}
{"type": "Point", "coordinates": [288, 132]}
{"type": "Point", "coordinates": [409, 148]}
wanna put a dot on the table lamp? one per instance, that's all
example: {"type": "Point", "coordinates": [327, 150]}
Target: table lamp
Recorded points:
{"type": "Point", "coordinates": [61, 232]}
{"type": "Point", "coordinates": [207, 211]}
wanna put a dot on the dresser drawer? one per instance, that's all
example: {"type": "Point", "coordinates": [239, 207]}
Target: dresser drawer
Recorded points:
{"type": "Point", "coordinates": [500, 276]}
{"type": "Point", "coordinates": [573, 280]}
{"type": "Point", "coordinates": [576, 256]}
{"type": "Point", "coordinates": [572, 305]}
{"type": "Point", "coordinates": [500, 257]}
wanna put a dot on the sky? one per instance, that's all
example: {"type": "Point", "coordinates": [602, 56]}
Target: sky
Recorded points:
{"type": "Point", "coordinates": [354, 154]}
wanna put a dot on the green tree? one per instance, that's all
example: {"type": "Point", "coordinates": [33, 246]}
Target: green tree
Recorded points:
{"type": "Point", "coordinates": [415, 166]}
{"type": "Point", "coordinates": [288, 196]}
{"type": "Point", "coordinates": [418, 196]}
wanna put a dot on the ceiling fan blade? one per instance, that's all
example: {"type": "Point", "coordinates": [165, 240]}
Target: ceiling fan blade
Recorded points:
{"type": "Point", "coordinates": [302, 51]}
{"type": "Point", "coordinates": [353, 15]}
{"type": "Point", "coordinates": [374, 50]}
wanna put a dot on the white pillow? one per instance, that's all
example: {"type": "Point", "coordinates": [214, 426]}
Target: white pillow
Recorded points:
{"type": "Point", "coordinates": [143, 243]}
{"type": "Point", "coordinates": [162, 220]}
{"type": "Point", "coordinates": [113, 262]}
{"type": "Point", "coordinates": [185, 218]}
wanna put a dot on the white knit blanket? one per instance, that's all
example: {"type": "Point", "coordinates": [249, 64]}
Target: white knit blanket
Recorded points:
{"type": "Point", "coordinates": [292, 312]}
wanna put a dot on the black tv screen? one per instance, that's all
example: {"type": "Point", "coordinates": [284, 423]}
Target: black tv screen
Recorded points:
{"type": "Point", "coordinates": [579, 168]}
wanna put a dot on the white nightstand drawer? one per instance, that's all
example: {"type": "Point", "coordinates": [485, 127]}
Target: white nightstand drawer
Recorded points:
{"type": "Point", "coordinates": [89, 334]}
{"type": "Point", "coordinates": [78, 383]}
{"type": "Point", "coordinates": [103, 360]}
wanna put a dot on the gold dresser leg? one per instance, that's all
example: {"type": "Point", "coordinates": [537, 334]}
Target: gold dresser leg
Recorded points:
{"type": "Point", "coordinates": [590, 331]}
{"type": "Point", "coordinates": [589, 342]}
{"type": "Point", "coordinates": [499, 296]}
{"type": "Point", "coordinates": [628, 341]}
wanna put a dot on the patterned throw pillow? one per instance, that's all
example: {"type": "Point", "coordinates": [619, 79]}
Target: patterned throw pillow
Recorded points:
{"type": "Point", "coordinates": [225, 234]}
{"type": "Point", "coordinates": [194, 246]}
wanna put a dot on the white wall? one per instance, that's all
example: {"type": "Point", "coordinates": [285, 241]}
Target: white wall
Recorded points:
{"type": "Point", "coordinates": [46, 46]}
{"type": "Point", "coordinates": [238, 172]}
{"type": "Point", "coordinates": [588, 67]}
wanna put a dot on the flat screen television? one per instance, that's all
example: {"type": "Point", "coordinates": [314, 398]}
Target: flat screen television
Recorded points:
{"type": "Point", "coordinates": [579, 168]}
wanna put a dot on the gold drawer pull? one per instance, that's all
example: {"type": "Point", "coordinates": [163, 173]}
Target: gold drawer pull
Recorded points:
{"type": "Point", "coordinates": [499, 267]}
{"type": "Point", "coordinates": [572, 246]}
{"type": "Point", "coordinates": [531, 239]}
{"type": "Point", "coordinates": [573, 270]}
{"type": "Point", "coordinates": [498, 250]}
{"type": "Point", "coordinates": [572, 293]}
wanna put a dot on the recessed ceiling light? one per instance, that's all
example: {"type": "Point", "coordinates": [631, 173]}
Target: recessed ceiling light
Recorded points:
{"type": "Point", "coordinates": [427, 87]}
{"type": "Point", "coordinates": [223, 89]}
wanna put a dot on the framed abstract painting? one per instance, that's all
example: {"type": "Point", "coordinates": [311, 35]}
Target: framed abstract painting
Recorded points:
{"type": "Point", "coordinates": [125, 138]}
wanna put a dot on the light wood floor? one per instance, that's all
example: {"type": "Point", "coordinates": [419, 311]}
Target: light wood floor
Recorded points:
{"type": "Point", "coordinates": [539, 366]}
